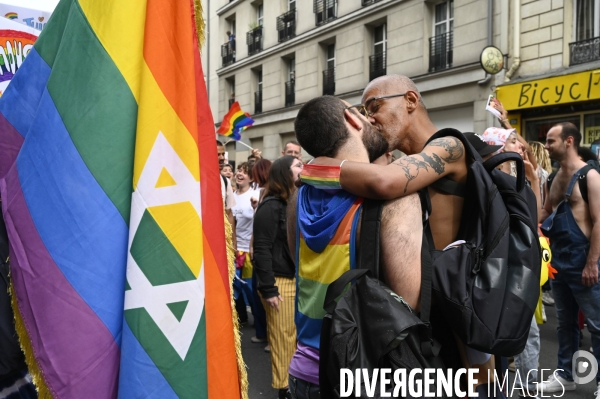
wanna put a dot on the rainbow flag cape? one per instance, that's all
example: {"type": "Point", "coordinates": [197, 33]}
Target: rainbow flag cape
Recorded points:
{"type": "Point", "coordinates": [321, 176]}
{"type": "Point", "coordinates": [111, 194]}
{"type": "Point", "coordinates": [234, 122]}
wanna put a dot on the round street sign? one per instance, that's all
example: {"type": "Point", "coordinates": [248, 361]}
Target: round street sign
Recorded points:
{"type": "Point", "coordinates": [492, 60]}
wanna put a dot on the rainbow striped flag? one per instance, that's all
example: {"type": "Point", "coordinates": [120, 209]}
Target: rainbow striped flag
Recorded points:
{"type": "Point", "coordinates": [234, 122]}
{"type": "Point", "coordinates": [321, 176]}
{"type": "Point", "coordinates": [111, 194]}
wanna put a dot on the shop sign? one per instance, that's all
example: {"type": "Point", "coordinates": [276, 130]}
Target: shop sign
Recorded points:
{"type": "Point", "coordinates": [492, 60]}
{"type": "Point", "coordinates": [592, 134]}
{"type": "Point", "coordinates": [583, 86]}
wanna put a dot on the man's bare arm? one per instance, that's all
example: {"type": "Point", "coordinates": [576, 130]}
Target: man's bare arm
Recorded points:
{"type": "Point", "coordinates": [589, 276]}
{"type": "Point", "coordinates": [291, 224]}
{"type": "Point", "coordinates": [441, 157]}
{"type": "Point", "coordinates": [401, 238]}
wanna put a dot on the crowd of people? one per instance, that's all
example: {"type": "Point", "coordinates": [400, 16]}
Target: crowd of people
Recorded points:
{"type": "Point", "coordinates": [292, 243]}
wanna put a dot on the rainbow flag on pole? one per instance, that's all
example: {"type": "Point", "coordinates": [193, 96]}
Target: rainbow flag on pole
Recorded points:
{"type": "Point", "coordinates": [234, 122]}
{"type": "Point", "coordinates": [111, 194]}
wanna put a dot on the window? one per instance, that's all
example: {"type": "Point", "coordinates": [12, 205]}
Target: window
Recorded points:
{"type": "Point", "coordinates": [440, 45]}
{"type": "Point", "coordinates": [231, 84]}
{"type": "Point", "coordinates": [325, 11]}
{"type": "Point", "coordinates": [259, 15]}
{"type": "Point", "coordinates": [286, 23]}
{"type": "Point", "coordinates": [258, 93]}
{"type": "Point", "coordinates": [228, 49]}
{"type": "Point", "coordinates": [330, 64]}
{"type": "Point", "coordinates": [377, 62]}
{"type": "Point", "coordinates": [380, 39]}
{"type": "Point", "coordinates": [255, 34]}
{"type": "Point", "coordinates": [444, 18]}
{"type": "Point", "coordinates": [586, 47]}
{"type": "Point", "coordinates": [329, 72]}
{"type": "Point", "coordinates": [290, 94]}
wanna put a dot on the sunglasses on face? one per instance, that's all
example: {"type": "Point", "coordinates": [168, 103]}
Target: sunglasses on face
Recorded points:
{"type": "Point", "coordinates": [363, 108]}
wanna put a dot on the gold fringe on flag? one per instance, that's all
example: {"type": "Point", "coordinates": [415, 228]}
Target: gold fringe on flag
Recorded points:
{"type": "Point", "coordinates": [37, 376]}
{"type": "Point", "coordinates": [199, 22]}
{"type": "Point", "coordinates": [236, 326]}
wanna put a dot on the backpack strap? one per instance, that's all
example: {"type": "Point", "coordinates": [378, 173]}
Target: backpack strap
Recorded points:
{"type": "Point", "coordinates": [448, 186]}
{"type": "Point", "coordinates": [369, 236]}
{"type": "Point", "coordinates": [496, 160]}
{"type": "Point", "coordinates": [581, 176]}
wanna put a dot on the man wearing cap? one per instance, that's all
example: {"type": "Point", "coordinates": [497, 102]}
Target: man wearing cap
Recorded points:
{"type": "Point", "coordinates": [484, 149]}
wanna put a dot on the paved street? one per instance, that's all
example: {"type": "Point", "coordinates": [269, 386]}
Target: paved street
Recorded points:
{"type": "Point", "coordinates": [259, 365]}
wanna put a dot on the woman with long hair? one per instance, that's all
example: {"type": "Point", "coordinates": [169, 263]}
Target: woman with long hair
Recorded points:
{"type": "Point", "coordinates": [275, 269]}
{"type": "Point", "coordinates": [260, 176]}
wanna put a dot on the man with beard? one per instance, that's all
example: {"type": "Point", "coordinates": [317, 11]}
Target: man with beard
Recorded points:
{"type": "Point", "coordinates": [328, 222]}
{"type": "Point", "coordinates": [573, 226]}
{"type": "Point", "coordinates": [393, 105]}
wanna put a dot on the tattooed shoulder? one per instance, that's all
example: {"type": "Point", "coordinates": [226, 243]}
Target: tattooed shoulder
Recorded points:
{"type": "Point", "coordinates": [452, 145]}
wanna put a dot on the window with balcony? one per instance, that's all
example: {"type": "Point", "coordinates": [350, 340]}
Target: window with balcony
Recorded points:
{"type": "Point", "coordinates": [290, 92]}
{"type": "Point", "coordinates": [286, 25]}
{"type": "Point", "coordinates": [377, 62]}
{"type": "Point", "coordinates": [325, 11]}
{"type": "Point", "coordinates": [369, 2]}
{"type": "Point", "coordinates": [228, 49]}
{"type": "Point", "coordinates": [258, 93]}
{"type": "Point", "coordinates": [586, 46]}
{"type": "Point", "coordinates": [329, 72]}
{"type": "Point", "coordinates": [440, 45]}
{"type": "Point", "coordinates": [254, 38]}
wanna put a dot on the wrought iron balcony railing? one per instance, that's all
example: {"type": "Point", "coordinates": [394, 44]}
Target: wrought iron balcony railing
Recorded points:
{"type": "Point", "coordinates": [584, 51]}
{"type": "Point", "coordinates": [258, 102]}
{"type": "Point", "coordinates": [329, 81]}
{"type": "Point", "coordinates": [325, 11]}
{"type": "Point", "coordinates": [440, 52]}
{"type": "Point", "coordinates": [254, 40]}
{"type": "Point", "coordinates": [286, 26]}
{"type": "Point", "coordinates": [228, 53]}
{"type": "Point", "coordinates": [377, 65]}
{"type": "Point", "coordinates": [290, 94]}
{"type": "Point", "coordinates": [369, 2]}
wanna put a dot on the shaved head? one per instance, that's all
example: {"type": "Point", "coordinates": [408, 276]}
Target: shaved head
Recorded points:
{"type": "Point", "coordinates": [391, 84]}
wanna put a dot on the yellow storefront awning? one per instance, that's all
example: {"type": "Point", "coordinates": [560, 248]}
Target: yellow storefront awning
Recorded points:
{"type": "Point", "coordinates": [565, 89]}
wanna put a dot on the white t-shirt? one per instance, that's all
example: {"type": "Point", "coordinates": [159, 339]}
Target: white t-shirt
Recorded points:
{"type": "Point", "coordinates": [244, 214]}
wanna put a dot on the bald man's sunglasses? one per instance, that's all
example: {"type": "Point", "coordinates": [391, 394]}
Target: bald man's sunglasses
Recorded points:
{"type": "Point", "coordinates": [362, 108]}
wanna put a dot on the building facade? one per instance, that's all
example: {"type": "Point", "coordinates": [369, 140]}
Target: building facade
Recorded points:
{"type": "Point", "coordinates": [281, 53]}
{"type": "Point", "coordinates": [558, 74]}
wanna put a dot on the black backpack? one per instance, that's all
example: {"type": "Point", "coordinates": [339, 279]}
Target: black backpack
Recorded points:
{"type": "Point", "coordinates": [370, 326]}
{"type": "Point", "coordinates": [488, 287]}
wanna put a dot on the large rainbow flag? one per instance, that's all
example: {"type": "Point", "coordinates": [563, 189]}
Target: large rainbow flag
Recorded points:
{"type": "Point", "coordinates": [111, 194]}
{"type": "Point", "coordinates": [234, 122]}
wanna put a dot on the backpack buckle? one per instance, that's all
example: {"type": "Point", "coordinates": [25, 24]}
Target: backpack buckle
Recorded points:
{"type": "Point", "coordinates": [430, 348]}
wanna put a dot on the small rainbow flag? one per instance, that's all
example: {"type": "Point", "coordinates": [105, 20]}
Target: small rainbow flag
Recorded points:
{"type": "Point", "coordinates": [11, 15]}
{"type": "Point", "coordinates": [234, 121]}
{"type": "Point", "coordinates": [321, 176]}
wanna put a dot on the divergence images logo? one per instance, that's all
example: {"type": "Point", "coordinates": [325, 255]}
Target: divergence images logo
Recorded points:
{"type": "Point", "coordinates": [585, 367]}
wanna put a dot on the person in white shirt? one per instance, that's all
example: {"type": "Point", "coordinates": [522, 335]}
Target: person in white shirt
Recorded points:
{"type": "Point", "coordinates": [243, 211]}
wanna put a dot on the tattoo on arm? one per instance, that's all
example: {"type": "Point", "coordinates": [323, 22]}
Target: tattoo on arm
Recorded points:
{"type": "Point", "coordinates": [453, 147]}
{"type": "Point", "coordinates": [411, 166]}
